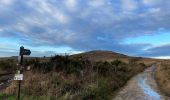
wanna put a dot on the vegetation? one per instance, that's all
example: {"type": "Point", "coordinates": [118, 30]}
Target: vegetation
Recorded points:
{"type": "Point", "coordinates": [6, 68]}
{"type": "Point", "coordinates": [8, 65]}
{"type": "Point", "coordinates": [163, 77]}
{"type": "Point", "coordinates": [63, 78]}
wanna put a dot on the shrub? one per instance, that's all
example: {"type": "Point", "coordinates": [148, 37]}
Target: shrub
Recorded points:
{"type": "Point", "coordinates": [101, 92]}
{"type": "Point", "coordinates": [8, 65]}
{"type": "Point", "coordinates": [104, 68]}
{"type": "Point", "coordinates": [70, 87]}
{"type": "Point", "coordinates": [116, 62]}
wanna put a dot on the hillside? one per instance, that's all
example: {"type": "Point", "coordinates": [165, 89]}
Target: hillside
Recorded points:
{"type": "Point", "coordinates": [99, 55]}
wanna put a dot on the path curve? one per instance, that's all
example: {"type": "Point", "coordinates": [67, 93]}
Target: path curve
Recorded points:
{"type": "Point", "coordinates": [142, 87]}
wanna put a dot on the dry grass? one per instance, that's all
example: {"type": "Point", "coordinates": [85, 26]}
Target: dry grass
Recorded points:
{"type": "Point", "coordinates": [163, 77]}
{"type": "Point", "coordinates": [39, 84]}
{"type": "Point", "coordinates": [66, 86]}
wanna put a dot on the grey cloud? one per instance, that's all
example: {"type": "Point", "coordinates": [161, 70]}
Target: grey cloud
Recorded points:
{"type": "Point", "coordinates": [52, 22]}
{"type": "Point", "coordinates": [157, 51]}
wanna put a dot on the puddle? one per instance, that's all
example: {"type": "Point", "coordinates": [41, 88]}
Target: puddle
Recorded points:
{"type": "Point", "coordinates": [141, 87]}
{"type": "Point", "coordinates": [151, 93]}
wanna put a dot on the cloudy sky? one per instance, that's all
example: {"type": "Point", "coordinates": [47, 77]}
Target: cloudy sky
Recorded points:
{"type": "Point", "coordinates": [132, 27]}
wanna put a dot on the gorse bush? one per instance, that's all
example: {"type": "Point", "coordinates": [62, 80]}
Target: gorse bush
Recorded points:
{"type": "Point", "coordinates": [104, 68]}
{"type": "Point", "coordinates": [59, 63]}
{"type": "Point", "coordinates": [116, 62]}
{"type": "Point", "coordinates": [74, 67]}
{"type": "Point", "coordinates": [109, 68]}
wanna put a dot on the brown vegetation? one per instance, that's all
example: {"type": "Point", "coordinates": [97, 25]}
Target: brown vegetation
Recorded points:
{"type": "Point", "coordinates": [100, 55]}
{"type": "Point", "coordinates": [163, 77]}
{"type": "Point", "coordinates": [65, 78]}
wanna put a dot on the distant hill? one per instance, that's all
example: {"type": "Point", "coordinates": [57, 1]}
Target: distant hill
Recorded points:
{"type": "Point", "coordinates": [99, 55]}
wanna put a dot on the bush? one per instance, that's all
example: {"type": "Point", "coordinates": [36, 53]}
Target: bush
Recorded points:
{"type": "Point", "coordinates": [8, 65]}
{"type": "Point", "coordinates": [104, 68]}
{"type": "Point", "coordinates": [116, 62]}
{"type": "Point", "coordinates": [101, 92]}
{"type": "Point", "coordinates": [60, 63]}
{"type": "Point", "coordinates": [70, 87]}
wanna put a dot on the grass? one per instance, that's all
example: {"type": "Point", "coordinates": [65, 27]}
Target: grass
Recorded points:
{"type": "Point", "coordinates": [163, 77]}
{"type": "Point", "coordinates": [25, 97]}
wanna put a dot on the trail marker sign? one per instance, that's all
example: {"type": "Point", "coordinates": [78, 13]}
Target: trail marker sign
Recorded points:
{"type": "Point", "coordinates": [24, 51]}
{"type": "Point", "coordinates": [18, 77]}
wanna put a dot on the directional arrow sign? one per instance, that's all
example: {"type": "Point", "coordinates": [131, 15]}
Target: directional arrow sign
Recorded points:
{"type": "Point", "coordinates": [24, 51]}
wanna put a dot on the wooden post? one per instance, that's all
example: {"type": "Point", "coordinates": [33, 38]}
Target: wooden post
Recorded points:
{"type": "Point", "coordinates": [20, 70]}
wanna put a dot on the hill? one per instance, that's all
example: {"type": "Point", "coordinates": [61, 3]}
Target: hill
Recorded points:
{"type": "Point", "coordinates": [99, 55]}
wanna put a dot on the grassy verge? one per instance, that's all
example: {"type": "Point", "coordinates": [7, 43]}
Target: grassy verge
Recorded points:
{"type": "Point", "coordinates": [163, 77]}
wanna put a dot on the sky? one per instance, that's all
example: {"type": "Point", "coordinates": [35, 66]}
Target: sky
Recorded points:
{"type": "Point", "coordinates": [48, 27]}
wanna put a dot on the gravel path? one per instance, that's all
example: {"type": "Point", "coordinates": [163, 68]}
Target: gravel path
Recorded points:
{"type": "Point", "coordinates": [141, 87]}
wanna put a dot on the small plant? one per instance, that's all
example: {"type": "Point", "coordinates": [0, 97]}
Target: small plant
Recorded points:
{"type": "Point", "coordinates": [101, 92]}
{"type": "Point", "coordinates": [104, 68]}
{"type": "Point", "coordinates": [116, 62]}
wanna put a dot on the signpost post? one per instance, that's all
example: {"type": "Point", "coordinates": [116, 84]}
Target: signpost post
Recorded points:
{"type": "Point", "coordinates": [19, 75]}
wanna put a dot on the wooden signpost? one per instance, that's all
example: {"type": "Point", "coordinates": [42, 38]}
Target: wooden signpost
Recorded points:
{"type": "Point", "coordinates": [19, 75]}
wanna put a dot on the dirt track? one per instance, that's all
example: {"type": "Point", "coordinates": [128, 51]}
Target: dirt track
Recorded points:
{"type": "Point", "coordinates": [141, 87]}
{"type": "Point", "coordinates": [7, 79]}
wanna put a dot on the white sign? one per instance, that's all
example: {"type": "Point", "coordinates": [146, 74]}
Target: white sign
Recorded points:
{"type": "Point", "coordinates": [18, 77]}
